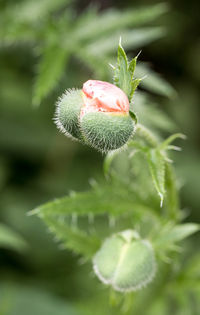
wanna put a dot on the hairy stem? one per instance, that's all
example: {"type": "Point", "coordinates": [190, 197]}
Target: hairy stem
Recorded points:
{"type": "Point", "coordinates": [147, 135]}
{"type": "Point", "coordinates": [172, 199]}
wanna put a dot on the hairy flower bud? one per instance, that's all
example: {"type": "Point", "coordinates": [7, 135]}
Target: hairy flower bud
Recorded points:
{"type": "Point", "coordinates": [105, 119]}
{"type": "Point", "coordinates": [125, 261]}
{"type": "Point", "coordinates": [98, 115]}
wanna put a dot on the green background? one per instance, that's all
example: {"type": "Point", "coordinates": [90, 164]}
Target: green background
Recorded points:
{"type": "Point", "coordinates": [37, 163]}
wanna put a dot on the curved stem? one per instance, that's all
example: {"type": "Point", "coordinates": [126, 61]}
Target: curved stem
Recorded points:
{"type": "Point", "coordinates": [147, 135]}
{"type": "Point", "coordinates": [172, 200]}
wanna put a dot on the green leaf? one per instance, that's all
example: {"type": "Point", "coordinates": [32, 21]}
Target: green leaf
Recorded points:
{"type": "Point", "coordinates": [133, 116]}
{"type": "Point", "coordinates": [72, 237]}
{"type": "Point", "coordinates": [156, 162]}
{"type": "Point", "coordinates": [69, 218]}
{"type": "Point", "coordinates": [165, 144]}
{"type": "Point", "coordinates": [153, 81]}
{"type": "Point", "coordinates": [151, 114]}
{"type": "Point", "coordinates": [123, 76]}
{"type": "Point", "coordinates": [124, 71]}
{"type": "Point", "coordinates": [50, 69]}
{"type": "Point", "coordinates": [92, 25]}
{"type": "Point", "coordinates": [11, 239]}
{"type": "Point", "coordinates": [134, 85]}
{"type": "Point", "coordinates": [18, 299]}
{"type": "Point", "coordinates": [132, 65]}
{"type": "Point", "coordinates": [32, 10]}
{"type": "Point", "coordinates": [17, 34]}
{"type": "Point", "coordinates": [171, 234]}
{"type": "Point", "coordinates": [108, 199]}
{"type": "Point", "coordinates": [179, 232]}
{"type": "Point", "coordinates": [97, 64]}
{"type": "Point", "coordinates": [132, 39]}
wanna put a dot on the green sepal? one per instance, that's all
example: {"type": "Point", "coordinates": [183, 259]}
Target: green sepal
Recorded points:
{"type": "Point", "coordinates": [107, 131]}
{"type": "Point", "coordinates": [133, 116]}
{"type": "Point", "coordinates": [124, 72]}
{"type": "Point", "coordinates": [67, 114]}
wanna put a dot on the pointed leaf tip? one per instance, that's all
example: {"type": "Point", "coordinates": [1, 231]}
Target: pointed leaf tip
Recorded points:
{"type": "Point", "coordinates": [124, 71]}
{"type": "Point", "coordinates": [156, 162]}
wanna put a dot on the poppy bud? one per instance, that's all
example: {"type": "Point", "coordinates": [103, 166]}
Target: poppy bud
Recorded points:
{"type": "Point", "coordinates": [105, 120]}
{"type": "Point", "coordinates": [125, 261]}
{"type": "Point", "coordinates": [98, 115]}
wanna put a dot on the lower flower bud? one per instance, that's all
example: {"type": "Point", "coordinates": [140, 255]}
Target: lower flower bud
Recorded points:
{"type": "Point", "coordinates": [125, 261]}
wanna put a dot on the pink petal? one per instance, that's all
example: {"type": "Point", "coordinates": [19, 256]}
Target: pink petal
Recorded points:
{"type": "Point", "coordinates": [103, 96]}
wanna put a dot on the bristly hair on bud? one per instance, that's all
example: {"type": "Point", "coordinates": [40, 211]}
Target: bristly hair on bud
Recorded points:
{"type": "Point", "coordinates": [125, 262]}
{"type": "Point", "coordinates": [105, 121]}
{"type": "Point", "coordinates": [68, 108]}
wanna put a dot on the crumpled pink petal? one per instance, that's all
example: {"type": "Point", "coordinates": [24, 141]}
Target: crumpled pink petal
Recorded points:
{"type": "Point", "coordinates": [100, 96]}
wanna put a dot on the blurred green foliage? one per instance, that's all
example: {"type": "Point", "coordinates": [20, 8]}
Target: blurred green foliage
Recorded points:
{"type": "Point", "coordinates": [38, 164]}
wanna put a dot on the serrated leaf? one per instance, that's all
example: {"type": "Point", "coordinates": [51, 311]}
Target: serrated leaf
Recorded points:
{"type": "Point", "coordinates": [132, 39]}
{"type": "Point", "coordinates": [123, 73]}
{"type": "Point", "coordinates": [156, 163]}
{"type": "Point", "coordinates": [50, 69]}
{"type": "Point", "coordinates": [92, 25]}
{"type": "Point", "coordinates": [165, 144]}
{"type": "Point", "coordinates": [153, 81]}
{"type": "Point", "coordinates": [109, 202]}
{"type": "Point", "coordinates": [11, 239]}
{"type": "Point", "coordinates": [150, 115]}
{"type": "Point", "coordinates": [109, 199]}
{"type": "Point", "coordinates": [72, 237]}
{"type": "Point", "coordinates": [32, 10]}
